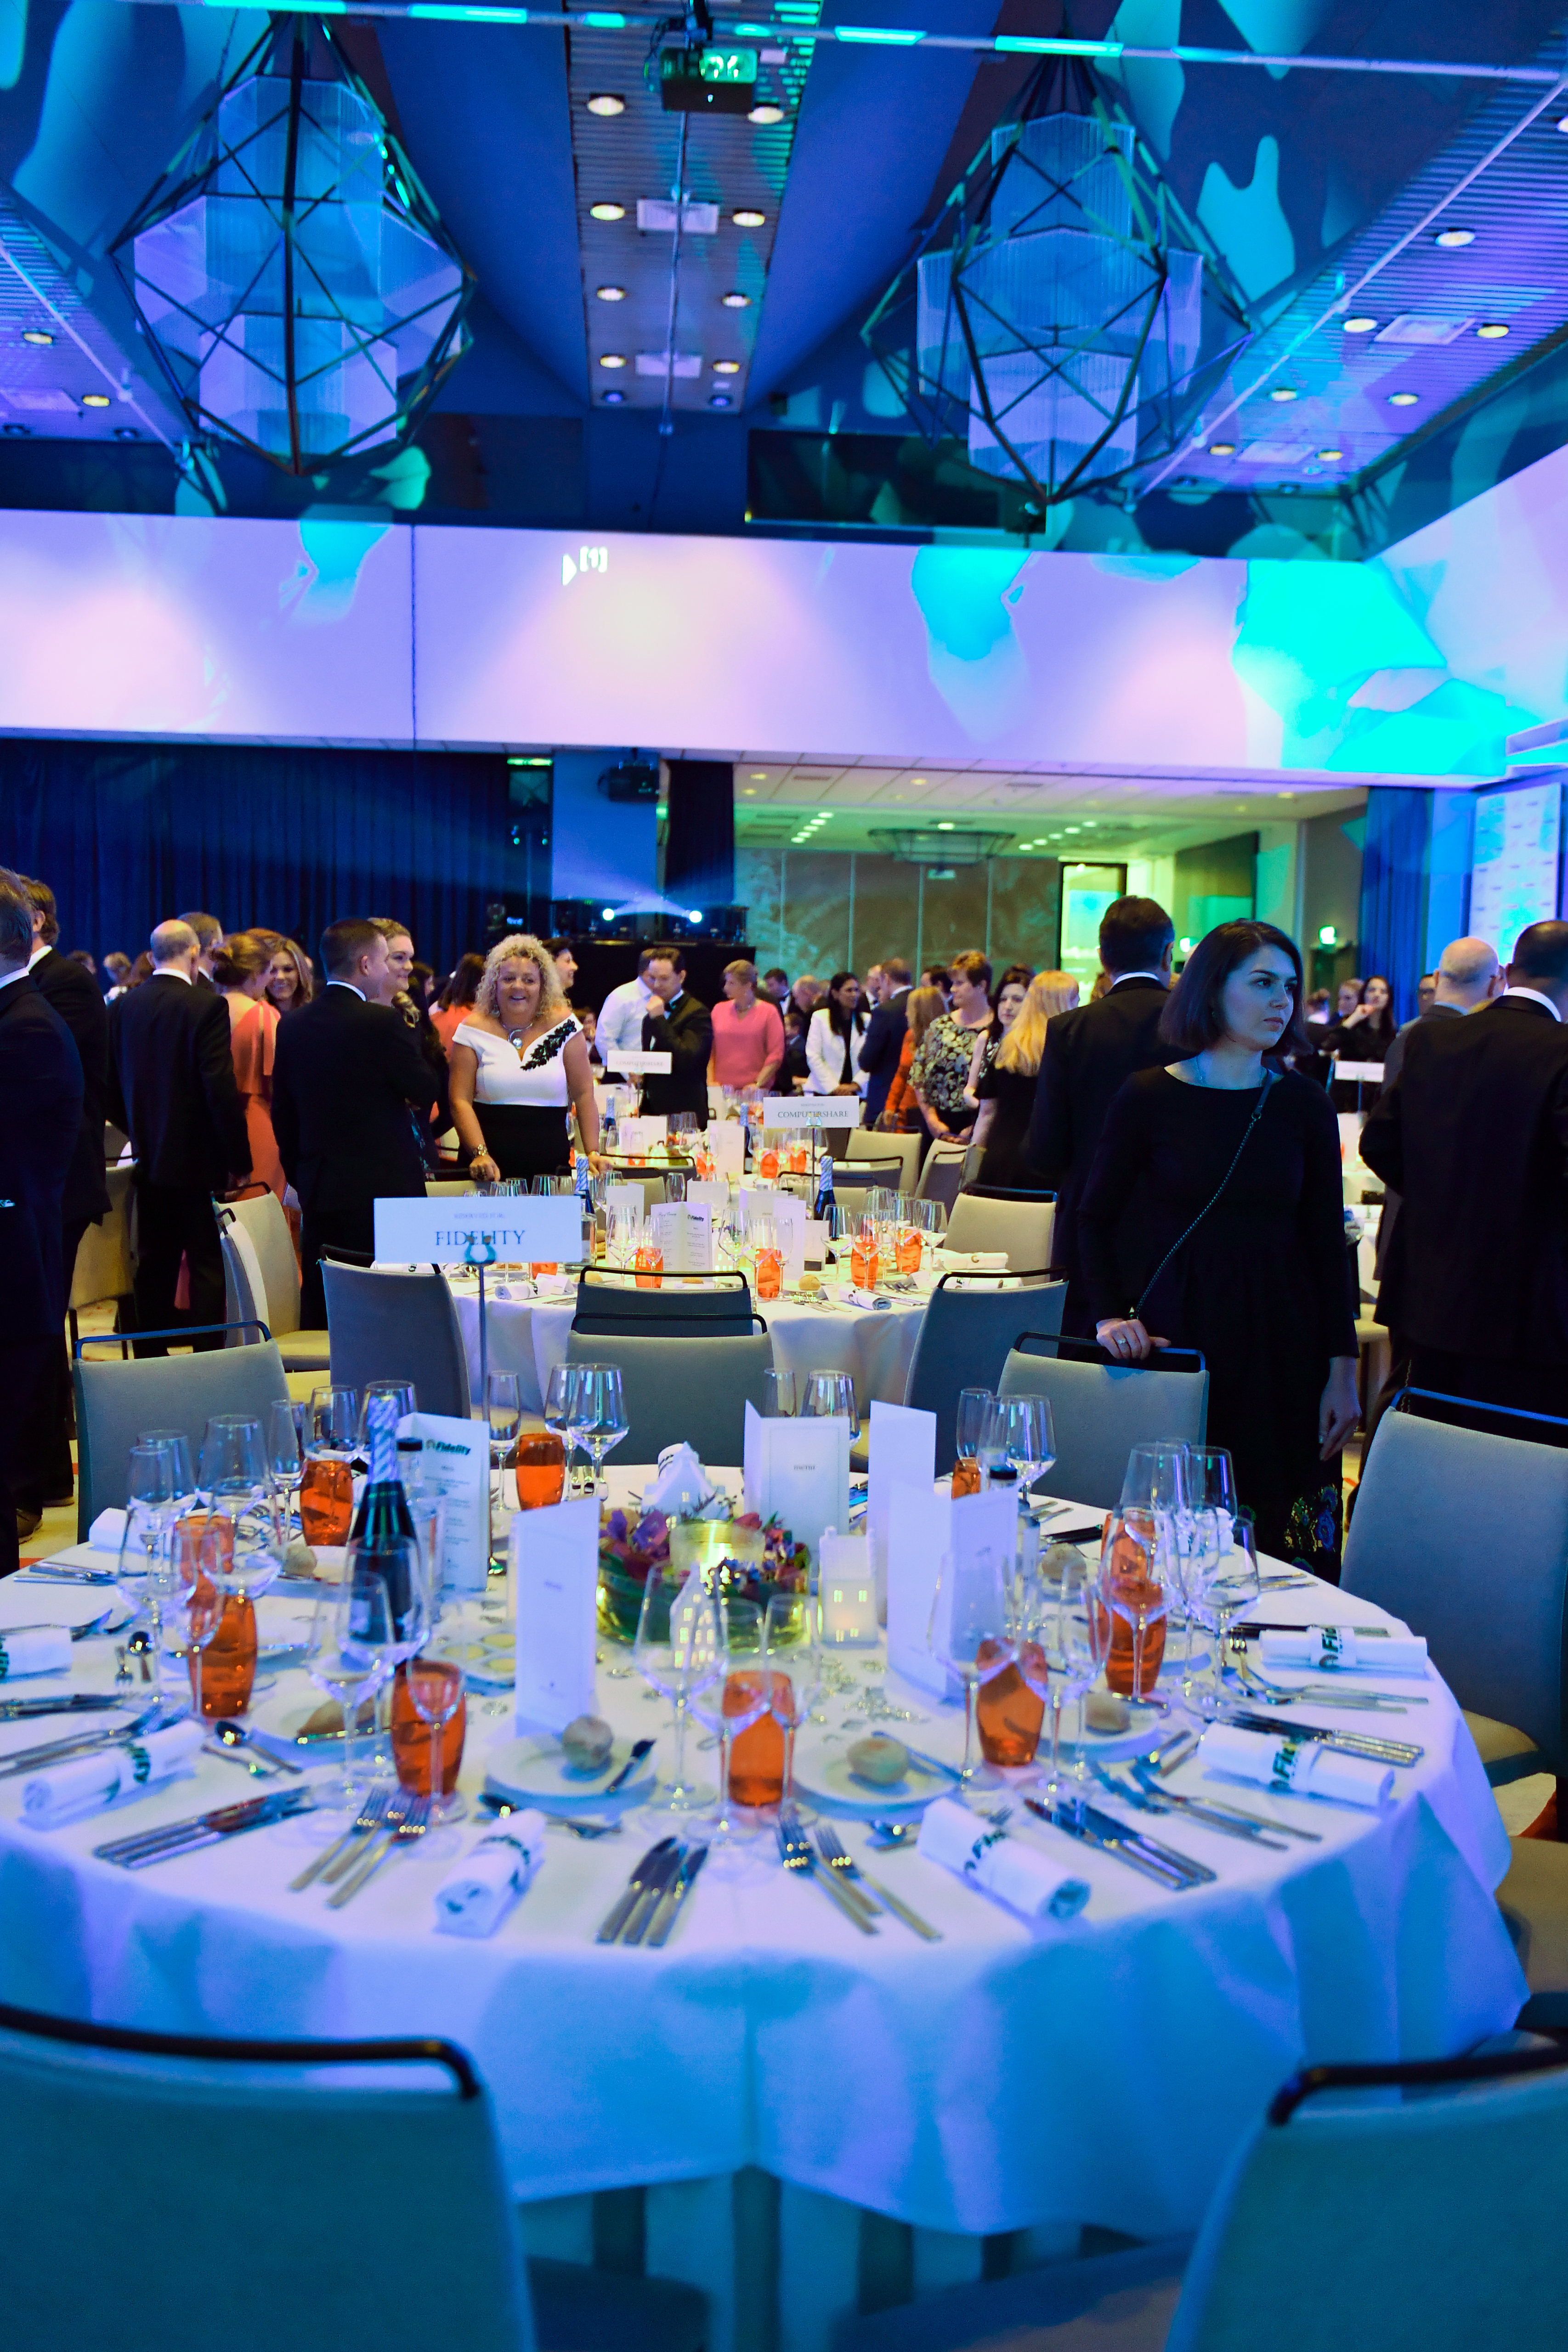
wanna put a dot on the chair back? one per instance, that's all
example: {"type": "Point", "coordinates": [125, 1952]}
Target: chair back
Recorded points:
{"type": "Point", "coordinates": [104, 1266]}
{"type": "Point", "coordinates": [267, 1228]}
{"type": "Point", "coordinates": [692, 1389]}
{"type": "Point", "coordinates": [853, 1178]}
{"type": "Point", "coordinates": [942, 1178]}
{"type": "Point", "coordinates": [244, 1293]}
{"type": "Point", "coordinates": [1020, 1224]}
{"type": "Point", "coordinates": [441, 1188]}
{"type": "Point", "coordinates": [964, 1335]}
{"type": "Point", "coordinates": [1419, 2223]}
{"type": "Point", "coordinates": [397, 1326]}
{"type": "Point", "coordinates": [115, 1401]}
{"type": "Point", "coordinates": [871, 1143]}
{"type": "Point", "coordinates": [611, 1304]}
{"type": "Point", "coordinates": [1464, 1535]}
{"type": "Point", "coordinates": [149, 2128]}
{"type": "Point", "coordinates": [1102, 1411]}
{"type": "Point", "coordinates": [650, 1183]}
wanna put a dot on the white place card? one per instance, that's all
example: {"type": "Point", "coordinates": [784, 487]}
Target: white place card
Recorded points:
{"type": "Point", "coordinates": [635, 1063]}
{"type": "Point", "coordinates": [554, 1585]}
{"type": "Point", "coordinates": [454, 1465]}
{"type": "Point", "coordinates": [478, 1229]}
{"type": "Point", "coordinates": [798, 1471]}
{"type": "Point", "coordinates": [818, 1240]}
{"type": "Point", "coordinates": [924, 1529]}
{"type": "Point", "coordinates": [1366, 1073]}
{"type": "Point", "coordinates": [901, 1452]}
{"type": "Point", "coordinates": [683, 1231]}
{"type": "Point", "coordinates": [641, 1134]}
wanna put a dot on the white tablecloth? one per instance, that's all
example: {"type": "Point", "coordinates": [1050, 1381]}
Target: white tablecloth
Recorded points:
{"type": "Point", "coordinates": [527, 1336]}
{"type": "Point", "coordinates": [1097, 2070]}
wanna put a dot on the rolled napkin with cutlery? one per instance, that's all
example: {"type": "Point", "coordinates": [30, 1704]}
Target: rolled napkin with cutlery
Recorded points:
{"type": "Point", "coordinates": [1306, 1767]}
{"type": "Point", "coordinates": [951, 1261]}
{"type": "Point", "coordinates": [1335, 1646]}
{"type": "Point", "coordinates": [68, 1791]}
{"type": "Point", "coordinates": [107, 1532]}
{"type": "Point", "coordinates": [35, 1650]}
{"type": "Point", "coordinates": [1025, 1879]}
{"type": "Point", "coordinates": [491, 1876]}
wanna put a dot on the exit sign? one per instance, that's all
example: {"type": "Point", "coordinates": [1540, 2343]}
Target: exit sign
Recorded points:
{"type": "Point", "coordinates": [708, 81]}
{"type": "Point", "coordinates": [729, 65]}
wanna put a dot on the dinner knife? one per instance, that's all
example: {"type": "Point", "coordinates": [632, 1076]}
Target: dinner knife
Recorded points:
{"type": "Point", "coordinates": [1107, 1825]}
{"type": "Point", "coordinates": [1348, 1743]}
{"type": "Point", "coordinates": [67, 1748]}
{"type": "Point", "coordinates": [670, 1904]}
{"type": "Point", "coordinates": [19, 1710]}
{"type": "Point", "coordinates": [1144, 1799]}
{"type": "Point", "coordinates": [625, 1901]}
{"type": "Point", "coordinates": [1120, 1849]}
{"type": "Point", "coordinates": [640, 1748]}
{"type": "Point", "coordinates": [660, 1878]}
{"type": "Point", "coordinates": [205, 1828]}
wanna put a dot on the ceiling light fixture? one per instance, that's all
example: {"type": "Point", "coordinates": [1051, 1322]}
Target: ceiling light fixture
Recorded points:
{"type": "Point", "coordinates": [1329, 456]}
{"type": "Point", "coordinates": [614, 399]}
{"type": "Point", "coordinates": [726, 367]}
{"type": "Point", "coordinates": [720, 400]}
{"type": "Point", "coordinates": [736, 301]}
{"type": "Point", "coordinates": [1283, 391]}
{"type": "Point", "coordinates": [1360, 325]}
{"type": "Point", "coordinates": [95, 400]}
{"type": "Point", "coordinates": [612, 359]}
{"type": "Point", "coordinates": [610, 293]}
{"type": "Point", "coordinates": [1221, 448]}
{"type": "Point", "coordinates": [605, 101]}
{"type": "Point", "coordinates": [747, 218]}
{"type": "Point", "coordinates": [944, 824]}
{"type": "Point", "coordinates": [36, 335]}
{"type": "Point", "coordinates": [766, 114]}
{"type": "Point", "coordinates": [1492, 331]}
{"type": "Point", "coordinates": [609, 212]}
{"type": "Point", "coordinates": [1451, 239]}
{"type": "Point", "coordinates": [759, 775]}
{"type": "Point", "coordinates": [126, 433]}
{"type": "Point", "coordinates": [1403, 399]}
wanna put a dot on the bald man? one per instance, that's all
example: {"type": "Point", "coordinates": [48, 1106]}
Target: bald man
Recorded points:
{"type": "Point", "coordinates": [1469, 976]}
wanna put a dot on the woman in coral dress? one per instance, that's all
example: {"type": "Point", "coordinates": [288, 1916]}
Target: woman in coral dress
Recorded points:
{"type": "Point", "coordinates": [240, 968]}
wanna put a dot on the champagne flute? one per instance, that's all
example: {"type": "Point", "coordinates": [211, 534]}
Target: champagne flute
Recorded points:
{"type": "Point", "coordinates": [285, 1461]}
{"type": "Point", "coordinates": [793, 1662]}
{"type": "Point", "coordinates": [150, 1490]}
{"type": "Point", "coordinates": [558, 1394]}
{"type": "Point", "coordinates": [351, 1635]}
{"type": "Point", "coordinates": [975, 1632]}
{"type": "Point", "coordinates": [191, 1596]}
{"type": "Point", "coordinates": [676, 1651]}
{"type": "Point", "coordinates": [736, 1697]}
{"type": "Point", "coordinates": [503, 1411]}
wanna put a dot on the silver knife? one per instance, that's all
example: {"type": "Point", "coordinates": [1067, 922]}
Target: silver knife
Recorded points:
{"type": "Point", "coordinates": [1173, 1880]}
{"type": "Point", "coordinates": [1107, 1825]}
{"type": "Point", "coordinates": [1348, 1743]}
{"type": "Point", "coordinates": [669, 1902]}
{"type": "Point", "coordinates": [621, 1909]}
{"type": "Point", "coordinates": [204, 1829]}
{"type": "Point", "coordinates": [640, 1748]}
{"type": "Point", "coordinates": [662, 1876]}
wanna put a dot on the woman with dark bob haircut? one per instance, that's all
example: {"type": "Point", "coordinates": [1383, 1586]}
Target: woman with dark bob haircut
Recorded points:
{"type": "Point", "coordinates": [1214, 1218]}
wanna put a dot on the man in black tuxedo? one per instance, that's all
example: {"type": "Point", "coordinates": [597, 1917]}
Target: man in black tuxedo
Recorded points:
{"type": "Point", "coordinates": [40, 1119]}
{"type": "Point", "coordinates": [170, 1087]}
{"type": "Point", "coordinates": [885, 1034]}
{"type": "Point", "coordinates": [1473, 1135]}
{"type": "Point", "coordinates": [349, 1088]}
{"type": "Point", "coordinates": [1089, 1054]}
{"type": "Point", "coordinates": [677, 1024]}
{"type": "Point", "coordinates": [209, 936]}
{"type": "Point", "coordinates": [71, 989]}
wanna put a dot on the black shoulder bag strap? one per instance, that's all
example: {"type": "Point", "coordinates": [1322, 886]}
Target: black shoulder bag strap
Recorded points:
{"type": "Point", "coordinates": [1270, 1080]}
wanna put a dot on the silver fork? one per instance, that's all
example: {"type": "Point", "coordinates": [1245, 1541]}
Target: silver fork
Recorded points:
{"type": "Point", "coordinates": [831, 1847]}
{"type": "Point", "coordinates": [337, 1856]}
{"type": "Point", "coordinates": [1317, 1694]}
{"type": "Point", "coordinates": [798, 1857]}
{"type": "Point", "coordinates": [409, 1829]}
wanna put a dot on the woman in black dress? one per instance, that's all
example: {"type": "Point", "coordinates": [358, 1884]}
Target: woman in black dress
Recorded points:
{"type": "Point", "coordinates": [1006, 1087]}
{"type": "Point", "coordinates": [1259, 1281]}
{"type": "Point", "coordinates": [1362, 1035]}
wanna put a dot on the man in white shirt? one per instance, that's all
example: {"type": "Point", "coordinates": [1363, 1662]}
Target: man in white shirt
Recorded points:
{"type": "Point", "coordinates": [622, 1014]}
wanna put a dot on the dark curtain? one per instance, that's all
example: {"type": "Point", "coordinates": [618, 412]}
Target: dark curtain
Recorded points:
{"type": "Point", "coordinates": [127, 833]}
{"type": "Point", "coordinates": [700, 834]}
{"type": "Point", "coordinates": [1394, 856]}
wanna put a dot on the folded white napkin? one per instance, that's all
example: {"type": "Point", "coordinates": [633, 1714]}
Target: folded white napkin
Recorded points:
{"type": "Point", "coordinates": [67, 1790]}
{"type": "Point", "coordinates": [1304, 1765]}
{"type": "Point", "coordinates": [1337, 1646]}
{"type": "Point", "coordinates": [1016, 1874]}
{"type": "Point", "coordinates": [973, 1261]}
{"type": "Point", "coordinates": [679, 1487]}
{"type": "Point", "coordinates": [488, 1881]}
{"type": "Point", "coordinates": [107, 1532]}
{"type": "Point", "coordinates": [35, 1650]}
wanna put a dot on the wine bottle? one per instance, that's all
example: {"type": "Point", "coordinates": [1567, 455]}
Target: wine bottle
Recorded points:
{"type": "Point", "coordinates": [384, 1522]}
{"type": "Point", "coordinates": [824, 1200]}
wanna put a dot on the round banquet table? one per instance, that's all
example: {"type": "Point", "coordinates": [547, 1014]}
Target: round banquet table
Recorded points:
{"type": "Point", "coordinates": [874, 1343]}
{"type": "Point", "coordinates": [1014, 2076]}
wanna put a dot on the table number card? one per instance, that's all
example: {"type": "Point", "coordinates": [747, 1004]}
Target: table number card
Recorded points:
{"type": "Point", "coordinates": [902, 1453]}
{"type": "Point", "coordinates": [456, 1466]}
{"type": "Point", "coordinates": [726, 1140]}
{"type": "Point", "coordinates": [633, 1063]}
{"type": "Point", "coordinates": [683, 1231]}
{"type": "Point", "coordinates": [641, 1134]}
{"type": "Point", "coordinates": [924, 1529]}
{"type": "Point", "coordinates": [478, 1228]}
{"type": "Point", "coordinates": [554, 1586]}
{"type": "Point", "coordinates": [798, 1472]}
{"type": "Point", "coordinates": [809, 1110]}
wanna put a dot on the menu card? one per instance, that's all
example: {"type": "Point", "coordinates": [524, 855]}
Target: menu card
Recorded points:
{"type": "Point", "coordinates": [787, 1211]}
{"type": "Point", "coordinates": [924, 1529]}
{"type": "Point", "coordinates": [797, 1470]}
{"type": "Point", "coordinates": [642, 1133]}
{"type": "Point", "coordinates": [902, 1453]}
{"type": "Point", "coordinates": [683, 1231]}
{"type": "Point", "coordinates": [456, 1466]}
{"type": "Point", "coordinates": [726, 1140]}
{"type": "Point", "coordinates": [554, 1587]}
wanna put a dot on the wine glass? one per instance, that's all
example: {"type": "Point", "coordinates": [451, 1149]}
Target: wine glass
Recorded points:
{"type": "Point", "coordinates": [676, 1653]}
{"type": "Point", "coordinates": [599, 1415]}
{"type": "Point", "coordinates": [150, 1497]}
{"type": "Point", "coordinates": [434, 1682]}
{"type": "Point", "coordinates": [1065, 1633]}
{"type": "Point", "coordinates": [1228, 1589]}
{"type": "Point", "coordinates": [830, 1396]}
{"type": "Point", "coordinates": [347, 1658]}
{"type": "Point", "coordinates": [1135, 1575]}
{"type": "Point", "coordinates": [1027, 1438]}
{"type": "Point", "coordinates": [975, 1632]}
{"type": "Point", "coordinates": [558, 1416]}
{"type": "Point", "coordinates": [191, 1599]}
{"type": "Point", "coordinates": [285, 1461]}
{"type": "Point", "coordinates": [736, 1697]}
{"type": "Point", "coordinates": [971, 1423]}
{"type": "Point", "coordinates": [778, 1396]}
{"type": "Point", "coordinates": [503, 1411]}
{"type": "Point", "coordinates": [403, 1401]}
{"type": "Point", "coordinates": [625, 1233]}
{"type": "Point", "coordinates": [793, 1662]}
{"type": "Point", "coordinates": [181, 1469]}
{"type": "Point", "coordinates": [334, 1418]}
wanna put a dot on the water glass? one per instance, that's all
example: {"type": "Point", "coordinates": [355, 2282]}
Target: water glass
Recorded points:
{"type": "Point", "coordinates": [334, 1419]}
{"type": "Point", "coordinates": [403, 1401]}
{"type": "Point", "coordinates": [232, 1474]}
{"type": "Point", "coordinates": [599, 1415]}
{"type": "Point", "coordinates": [675, 1651]}
{"type": "Point", "coordinates": [1026, 1438]}
{"type": "Point", "coordinates": [778, 1396]}
{"type": "Point", "coordinates": [792, 1657]}
{"type": "Point", "coordinates": [285, 1461]}
{"type": "Point", "coordinates": [975, 1632]}
{"type": "Point", "coordinates": [429, 1711]}
{"type": "Point", "coordinates": [972, 1427]}
{"type": "Point", "coordinates": [830, 1396]}
{"type": "Point", "coordinates": [182, 1468]}
{"type": "Point", "coordinates": [348, 1659]}
{"type": "Point", "coordinates": [732, 1701]}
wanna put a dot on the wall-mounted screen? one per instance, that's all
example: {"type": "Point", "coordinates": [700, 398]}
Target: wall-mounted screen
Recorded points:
{"type": "Point", "coordinates": [1513, 878]}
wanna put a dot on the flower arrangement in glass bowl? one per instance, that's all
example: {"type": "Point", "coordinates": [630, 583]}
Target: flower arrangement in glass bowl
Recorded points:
{"type": "Point", "coordinates": [740, 1558]}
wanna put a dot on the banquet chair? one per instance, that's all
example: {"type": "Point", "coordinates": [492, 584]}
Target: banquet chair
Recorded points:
{"type": "Point", "coordinates": [1102, 1411]}
{"type": "Point", "coordinates": [853, 1178]}
{"type": "Point", "coordinates": [612, 1305]}
{"type": "Point", "coordinates": [116, 1401]}
{"type": "Point", "coordinates": [105, 1262]}
{"type": "Point", "coordinates": [1464, 1534]}
{"type": "Point", "coordinates": [964, 1335]}
{"type": "Point", "coordinates": [441, 1188]}
{"type": "Point", "coordinates": [261, 1279]}
{"type": "Point", "coordinates": [1405, 2208]}
{"type": "Point", "coordinates": [942, 1178]}
{"type": "Point", "coordinates": [871, 1143]}
{"type": "Point", "coordinates": [1019, 1223]}
{"type": "Point", "coordinates": [350, 2139]}
{"type": "Point", "coordinates": [675, 1390]}
{"type": "Point", "coordinates": [397, 1326]}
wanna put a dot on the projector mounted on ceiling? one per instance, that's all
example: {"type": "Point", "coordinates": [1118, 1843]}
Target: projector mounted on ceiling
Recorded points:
{"type": "Point", "coordinates": [927, 846]}
{"type": "Point", "coordinates": [631, 780]}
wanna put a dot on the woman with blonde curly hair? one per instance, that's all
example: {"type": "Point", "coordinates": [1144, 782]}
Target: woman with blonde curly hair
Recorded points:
{"type": "Point", "coordinates": [518, 1060]}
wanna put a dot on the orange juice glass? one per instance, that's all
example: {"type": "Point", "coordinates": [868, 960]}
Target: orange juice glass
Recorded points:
{"type": "Point", "coordinates": [865, 1261]}
{"type": "Point", "coordinates": [326, 1500]}
{"type": "Point", "coordinates": [909, 1249]}
{"type": "Point", "coordinates": [649, 1264]}
{"type": "Point", "coordinates": [770, 1273]}
{"type": "Point", "coordinates": [539, 1465]}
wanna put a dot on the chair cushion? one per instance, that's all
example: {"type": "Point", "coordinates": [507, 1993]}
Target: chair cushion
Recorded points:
{"type": "Point", "coordinates": [1533, 1900]}
{"type": "Point", "coordinates": [306, 1351]}
{"type": "Point", "coordinates": [1507, 1755]}
{"type": "Point", "coordinates": [1109, 2303]}
{"type": "Point", "coordinates": [576, 2309]}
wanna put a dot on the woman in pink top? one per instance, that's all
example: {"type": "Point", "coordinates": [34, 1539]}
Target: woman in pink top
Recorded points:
{"type": "Point", "coordinates": [748, 1035]}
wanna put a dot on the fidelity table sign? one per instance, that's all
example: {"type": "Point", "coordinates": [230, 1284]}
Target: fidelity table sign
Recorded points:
{"type": "Point", "coordinates": [476, 1229]}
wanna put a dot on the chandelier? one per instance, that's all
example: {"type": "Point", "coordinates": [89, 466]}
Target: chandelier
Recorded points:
{"type": "Point", "coordinates": [288, 270]}
{"type": "Point", "coordinates": [1054, 320]}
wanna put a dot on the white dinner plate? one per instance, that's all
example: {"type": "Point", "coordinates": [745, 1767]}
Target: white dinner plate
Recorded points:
{"type": "Point", "coordinates": [826, 1780]}
{"type": "Point", "coordinates": [534, 1771]}
{"type": "Point", "coordinates": [25, 1600]}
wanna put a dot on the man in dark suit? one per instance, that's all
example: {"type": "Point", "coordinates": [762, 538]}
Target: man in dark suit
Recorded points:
{"type": "Point", "coordinates": [209, 935]}
{"type": "Point", "coordinates": [71, 989]}
{"type": "Point", "coordinates": [885, 1034]}
{"type": "Point", "coordinates": [170, 1087]}
{"type": "Point", "coordinates": [349, 1089]}
{"type": "Point", "coordinates": [677, 1024]}
{"type": "Point", "coordinates": [1089, 1054]}
{"type": "Point", "coordinates": [1473, 1135]}
{"type": "Point", "coordinates": [40, 1119]}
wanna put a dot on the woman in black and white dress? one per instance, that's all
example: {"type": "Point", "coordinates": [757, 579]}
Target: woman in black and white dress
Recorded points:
{"type": "Point", "coordinates": [518, 1061]}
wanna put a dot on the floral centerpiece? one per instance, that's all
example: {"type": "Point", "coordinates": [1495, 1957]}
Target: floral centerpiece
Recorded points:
{"type": "Point", "coordinates": [741, 1559]}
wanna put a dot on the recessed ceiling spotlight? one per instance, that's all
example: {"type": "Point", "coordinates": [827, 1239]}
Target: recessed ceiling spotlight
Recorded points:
{"type": "Point", "coordinates": [18, 431]}
{"type": "Point", "coordinates": [747, 218]}
{"type": "Point", "coordinates": [1283, 391]}
{"type": "Point", "coordinates": [614, 399]}
{"type": "Point", "coordinates": [610, 293]}
{"type": "Point", "coordinates": [612, 359]}
{"type": "Point", "coordinates": [759, 775]}
{"type": "Point", "coordinates": [605, 101]}
{"type": "Point", "coordinates": [720, 400]}
{"type": "Point", "coordinates": [1403, 399]}
{"type": "Point", "coordinates": [1451, 239]}
{"type": "Point", "coordinates": [1221, 448]}
{"type": "Point", "coordinates": [1492, 331]}
{"type": "Point", "coordinates": [1360, 325]}
{"type": "Point", "coordinates": [726, 367]}
{"type": "Point", "coordinates": [36, 335]}
{"type": "Point", "coordinates": [126, 433]}
{"type": "Point", "coordinates": [765, 114]}
{"type": "Point", "coordinates": [607, 212]}
{"type": "Point", "coordinates": [736, 301]}
{"type": "Point", "coordinates": [944, 824]}
{"type": "Point", "coordinates": [1329, 456]}
{"type": "Point", "coordinates": [95, 400]}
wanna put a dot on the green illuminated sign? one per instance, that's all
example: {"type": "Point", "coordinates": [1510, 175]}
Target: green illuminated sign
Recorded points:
{"type": "Point", "coordinates": [729, 65]}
